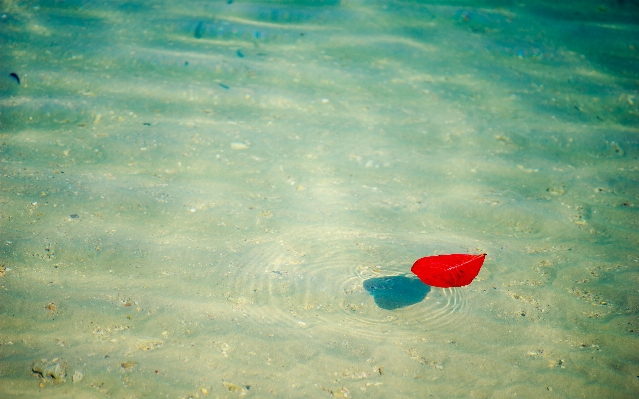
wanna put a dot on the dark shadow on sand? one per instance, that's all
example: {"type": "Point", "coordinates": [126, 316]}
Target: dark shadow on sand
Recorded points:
{"type": "Point", "coordinates": [394, 292]}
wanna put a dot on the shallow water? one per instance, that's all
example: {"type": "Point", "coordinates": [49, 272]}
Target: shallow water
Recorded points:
{"type": "Point", "coordinates": [224, 200]}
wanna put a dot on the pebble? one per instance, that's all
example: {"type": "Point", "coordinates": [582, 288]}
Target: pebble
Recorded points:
{"type": "Point", "coordinates": [77, 376]}
{"type": "Point", "coordinates": [239, 146]}
{"type": "Point", "coordinates": [55, 369]}
{"type": "Point", "coordinates": [236, 388]}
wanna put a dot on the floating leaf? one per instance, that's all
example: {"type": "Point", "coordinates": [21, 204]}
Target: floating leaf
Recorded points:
{"type": "Point", "coordinates": [445, 271]}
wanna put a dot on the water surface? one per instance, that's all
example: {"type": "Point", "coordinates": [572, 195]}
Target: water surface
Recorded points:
{"type": "Point", "coordinates": [224, 199]}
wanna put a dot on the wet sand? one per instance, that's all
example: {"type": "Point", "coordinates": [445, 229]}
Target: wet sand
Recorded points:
{"type": "Point", "coordinates": [194, 199]}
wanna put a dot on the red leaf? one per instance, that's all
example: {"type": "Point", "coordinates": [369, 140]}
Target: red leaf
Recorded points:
{"type": "Point", "coordinates": [445, 271]}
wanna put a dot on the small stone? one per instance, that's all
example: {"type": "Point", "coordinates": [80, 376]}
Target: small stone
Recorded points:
{"type": "Point", "coordinates": [55, 370]}
{"type": "Point", "coordinates": [149, 344]}
{"type": "Point", "coordinates": [77, 376]}
{"type": "Point", "coordinates": [127, 365]}
{"type": "Point", "coordinates": [235, 388]}
{"type": "Point", "coordinates": [239, 146]}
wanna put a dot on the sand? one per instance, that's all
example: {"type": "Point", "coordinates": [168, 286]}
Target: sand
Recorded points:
{"type": "Point", "coordinates": [194, 197]}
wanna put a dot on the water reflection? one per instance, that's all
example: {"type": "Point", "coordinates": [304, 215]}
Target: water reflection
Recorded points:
{"type": "Point", "coordinates": [394, 292]}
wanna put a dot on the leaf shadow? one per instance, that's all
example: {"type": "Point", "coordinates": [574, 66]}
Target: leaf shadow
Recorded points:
{"type": "Point", "coordinates": [393, 292]}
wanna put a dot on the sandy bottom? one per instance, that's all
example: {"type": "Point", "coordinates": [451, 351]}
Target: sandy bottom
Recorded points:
{"type": "Point", "coordinates": [225, 200]}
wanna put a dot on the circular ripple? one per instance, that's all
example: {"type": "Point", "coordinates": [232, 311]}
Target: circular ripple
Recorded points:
{"type": "Point", "coordinates": [319, 279]}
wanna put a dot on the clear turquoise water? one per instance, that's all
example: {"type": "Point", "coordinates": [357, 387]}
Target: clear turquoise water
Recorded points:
{"type": "Point", "coordinates": [199, 198]}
